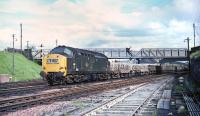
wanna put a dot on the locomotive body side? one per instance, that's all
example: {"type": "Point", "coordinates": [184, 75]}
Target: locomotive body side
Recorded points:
{"type": "Point", "coordinates": [90, 62]}
{"type": "Point", "coordinates": [66, 64]}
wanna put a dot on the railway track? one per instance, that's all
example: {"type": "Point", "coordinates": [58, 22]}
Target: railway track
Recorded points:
{"type": "Point", "coordinates": [130, 103]}
{"type": "Point", "coordinates": [10, 89]}
{"type": "Point", "coordinates": [19, 84]}
{"type": "Point", "coordinates": [149, 107]}
{"type": "Point", "coordinates": [13, 104]}
{"type": "Point", "coordinates": [22, 90]}
{"type": "Point", "coordinates": [35, 88]}
{"type": "Point", "coordinates": [19, 91]}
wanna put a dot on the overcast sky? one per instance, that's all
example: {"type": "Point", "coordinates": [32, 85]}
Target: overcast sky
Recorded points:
{"type": "Point", "coordinates": [99, 23]}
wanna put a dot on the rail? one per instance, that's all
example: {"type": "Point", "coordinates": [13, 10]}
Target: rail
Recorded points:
{"type": "Point", "coordinates": [25, 101]}
{"type": "Point", "coordinates": [119, 105]}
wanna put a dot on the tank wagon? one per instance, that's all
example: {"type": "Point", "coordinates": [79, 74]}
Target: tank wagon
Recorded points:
{"type": "Point", "coordinates": [67, 65]}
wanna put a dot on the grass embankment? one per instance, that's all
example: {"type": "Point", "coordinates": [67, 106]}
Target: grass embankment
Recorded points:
{"type": "Point", "coordinates": [24, 68]}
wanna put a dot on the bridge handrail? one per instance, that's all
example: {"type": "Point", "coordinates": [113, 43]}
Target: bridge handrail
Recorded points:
{"type": "Point", "coordinates": [142, 53]}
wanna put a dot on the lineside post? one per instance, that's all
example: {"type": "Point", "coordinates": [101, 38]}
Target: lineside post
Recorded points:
{"type": "Point", "coordinates": [13, 59]}
{"type": "Point", "coordinates": [188, 52]}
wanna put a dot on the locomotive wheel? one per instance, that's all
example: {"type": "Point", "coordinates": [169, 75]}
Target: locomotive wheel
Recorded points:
{"type": "Point", "coordinates": [77, 79]}
{"type": "Point", "coordinates": [62, 81]}
{"type": "Point", "coordinates": [69, 79]}
{"type": "Point", "coordinates": [88, 78]}
{"type": "Point", "coordinates": [115, 76]}
{"type": "Point", "coordinates": [100, 76]}
{"type": "Point", "coordinates": [94, 77]}
{"type": "Point", "coordinates": [109, 76]}
{"type": "Point", "coordinates": [50, 81]}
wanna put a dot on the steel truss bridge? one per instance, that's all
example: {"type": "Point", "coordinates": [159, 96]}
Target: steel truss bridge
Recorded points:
{"type": "Point", "coordinates": [167, 54]}
{"type": "Point", "coordinates": [155, 53]}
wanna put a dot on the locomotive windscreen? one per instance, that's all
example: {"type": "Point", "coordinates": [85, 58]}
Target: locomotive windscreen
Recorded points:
{"type": "Point", "coordinates": [62, 51]}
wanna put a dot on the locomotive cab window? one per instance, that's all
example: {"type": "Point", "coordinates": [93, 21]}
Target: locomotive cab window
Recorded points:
{"type": "Point", "coordinates": [62, 50]}
{"type": "Point", "coordinates": [68, 52]}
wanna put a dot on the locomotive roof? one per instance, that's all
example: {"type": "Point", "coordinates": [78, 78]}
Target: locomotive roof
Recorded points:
{"type": "Point", "coordinates": [77, 50]}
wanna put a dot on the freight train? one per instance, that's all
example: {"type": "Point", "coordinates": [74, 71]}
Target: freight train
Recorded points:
{"type": "Point", "coordinates": [68, 65]}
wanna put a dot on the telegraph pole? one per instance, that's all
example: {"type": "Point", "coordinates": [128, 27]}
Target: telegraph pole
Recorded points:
{"type": "Point", "coordinates": [41, 51]}
{"type": "Point", "coordinates": [13, 60]}
{"type": "Point", "coordinates": [27, 51]}
{"type": "Point", "coordinates": [194, 33]}
{"type": "Point", "coordinates": [188, 53]}
{"type": "Point", "coordinates": [56, 42]}
{"type": "Point", "coordinates": [27, 44]}
{"type": "Point", "coordinates": [21, 36]}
